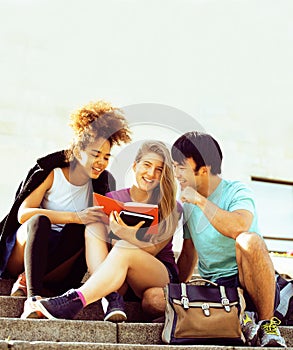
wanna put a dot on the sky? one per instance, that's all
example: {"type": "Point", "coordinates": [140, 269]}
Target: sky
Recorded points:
{"type": "Point", "coordinates": [225, 65]}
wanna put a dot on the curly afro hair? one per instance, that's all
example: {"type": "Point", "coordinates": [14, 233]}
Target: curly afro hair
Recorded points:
{"type": "Point", "coordinates": [98, 119]}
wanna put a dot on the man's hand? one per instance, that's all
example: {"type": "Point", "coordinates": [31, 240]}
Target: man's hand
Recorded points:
{"type": "Point", "coordinates": [229, 224]}
{"type": "Point", "coordinates": [190, 195]}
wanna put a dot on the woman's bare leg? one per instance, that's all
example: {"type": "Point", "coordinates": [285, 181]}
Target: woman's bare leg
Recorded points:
{"type": "Point", "coordinates": [125, 262]}
{"type": "Point", "coordinates": [153, 302]}
{"type": "Point", "coordinates": [96, 246]}
{"type": "Point", "coordinates": [15, 264]}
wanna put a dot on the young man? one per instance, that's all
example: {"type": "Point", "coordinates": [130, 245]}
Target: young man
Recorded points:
{"type": "Point", "coordinates": [221, 234]}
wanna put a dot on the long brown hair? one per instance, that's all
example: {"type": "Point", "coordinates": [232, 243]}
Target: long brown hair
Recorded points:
{"type": "Point", "coordinates": [165, 193]}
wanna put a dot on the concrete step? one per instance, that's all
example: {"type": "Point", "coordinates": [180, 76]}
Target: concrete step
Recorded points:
{"type": "Point", "coordinates": [21, 345]}
{"type": "Point", "coordinates": [58, 330]}
{"type": "Point", "coordinates": [80, 331]}
{"type": "Point", "coordinates": [97, 332]}
{"type": "Point", "coordinates": [87, 332]}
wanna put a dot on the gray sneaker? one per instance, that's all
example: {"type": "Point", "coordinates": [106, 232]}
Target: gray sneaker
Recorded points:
{"type": "Point", "coordinates": [269, 334]}
{"type": "Point", "coordinates": [250, 328]}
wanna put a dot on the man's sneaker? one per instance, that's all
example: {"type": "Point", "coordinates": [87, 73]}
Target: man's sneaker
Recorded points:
{"type": "Point", "coordinates": [65, 306]}
{"type": "Point", "coordinates": [30, 309]}
{"type": "Point", "coordinates": [19, 287]}
{"type": "Point", "coordinates": [250, 328]}
{"type": "Point", "coordinates": [269, 334]}
{"type": "Point", "coordinates": [115, 310]}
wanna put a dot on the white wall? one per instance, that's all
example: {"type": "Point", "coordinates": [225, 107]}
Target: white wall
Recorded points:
{"type": "Point", "coordinates": [227, 63]}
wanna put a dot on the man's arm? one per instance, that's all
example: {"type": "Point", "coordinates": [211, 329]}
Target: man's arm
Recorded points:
{"type": "Point", "coordinates": [187, 260]}
{"type": "Point", "coordinates": [230, 224]}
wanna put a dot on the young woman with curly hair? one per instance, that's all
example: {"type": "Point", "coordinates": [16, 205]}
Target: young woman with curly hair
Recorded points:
{"type": "Point", "coordinates": [139, 264]}
{"type": "Point", "coordinates": [44, 232]}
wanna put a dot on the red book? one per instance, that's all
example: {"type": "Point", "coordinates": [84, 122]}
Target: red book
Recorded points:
{"type": "Point", "coordinates": [111, 204]}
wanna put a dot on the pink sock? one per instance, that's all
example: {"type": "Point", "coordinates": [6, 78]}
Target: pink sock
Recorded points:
{"type": "Point", "coordinates": [81, 297]}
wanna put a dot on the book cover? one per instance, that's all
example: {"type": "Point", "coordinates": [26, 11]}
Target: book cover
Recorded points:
{"type": "Point", "coordinates": [111, 204]}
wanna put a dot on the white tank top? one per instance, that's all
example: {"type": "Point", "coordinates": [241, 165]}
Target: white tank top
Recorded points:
{"type": "Point", "coordinates": [63, 196]}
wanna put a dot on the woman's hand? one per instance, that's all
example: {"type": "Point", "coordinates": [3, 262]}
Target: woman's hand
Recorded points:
{"type": "Point", "coordinates": [92, 214]}
{"type": "Point", "coordinates": [32, 206]}
{"type": "Point", "coordinates": [121, 230]}
{"type": "Point", "coordinates": [128, 234]}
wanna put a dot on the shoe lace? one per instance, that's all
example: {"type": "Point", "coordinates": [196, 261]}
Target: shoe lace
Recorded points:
{"type": "Point", "coordinates": [63, 299]}
{"type": "Point", "coordinates": [272, 326]}
{"type": "Point", "coordinates": [246, 319]}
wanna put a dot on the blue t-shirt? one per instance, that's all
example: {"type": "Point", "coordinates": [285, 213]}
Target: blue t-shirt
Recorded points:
{"type": "Point", "coordinates": [216, 252]}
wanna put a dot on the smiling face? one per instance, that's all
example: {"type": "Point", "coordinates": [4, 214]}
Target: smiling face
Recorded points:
{"type": "Point", "coordinates": [95, 158]}
{"type": "Point", "coordinates": [148, 171]}
{"type": "Point", "coordinates": [186, 175]}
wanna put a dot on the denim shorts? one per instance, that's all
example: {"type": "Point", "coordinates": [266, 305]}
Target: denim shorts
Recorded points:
{"type": "Point", "coordinates": [233, 281]}
{"type": "Point", "coordinates": [172, 272]}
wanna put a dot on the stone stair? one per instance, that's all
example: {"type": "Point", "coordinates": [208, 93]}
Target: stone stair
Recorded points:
{"type": "Point", "coordinates": [88, 331]}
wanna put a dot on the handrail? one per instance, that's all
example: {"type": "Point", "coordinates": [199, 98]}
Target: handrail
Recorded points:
{"type": "Point", "coordinates": [278, 238]}
{"type": "Point", "coordinates": [273, 181]}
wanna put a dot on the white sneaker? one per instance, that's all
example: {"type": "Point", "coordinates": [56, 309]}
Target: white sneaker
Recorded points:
{"type": "Point", "coordinates": [30, 309]}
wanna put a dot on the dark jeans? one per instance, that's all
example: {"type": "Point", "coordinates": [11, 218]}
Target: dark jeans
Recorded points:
{"type": "Point", "coordinates": [47, 249]}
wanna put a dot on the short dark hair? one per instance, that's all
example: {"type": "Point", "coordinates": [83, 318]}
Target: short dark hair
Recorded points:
{"type": "Point", "coordinates": [201, 147]}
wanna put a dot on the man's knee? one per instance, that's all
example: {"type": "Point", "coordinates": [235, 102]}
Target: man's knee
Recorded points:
{"type": "Point", "coordinates": [249, 242]}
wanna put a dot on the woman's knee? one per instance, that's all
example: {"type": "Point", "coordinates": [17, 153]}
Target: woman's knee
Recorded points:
{"type": "Point", "coordinates": [153, 295]}
{"type": "Point", "coordinates": [126, 252]}
{"type": "Point", "coordinates": [153, 301]}
{"type": "Point", "coordinates": [38, 228]}
{"type": "Point", "coordinates": [38, 220]}
{"type": "Point", "coordinates": [124, 244]}
{"type": "Point", "coordinates": [96, 231]}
